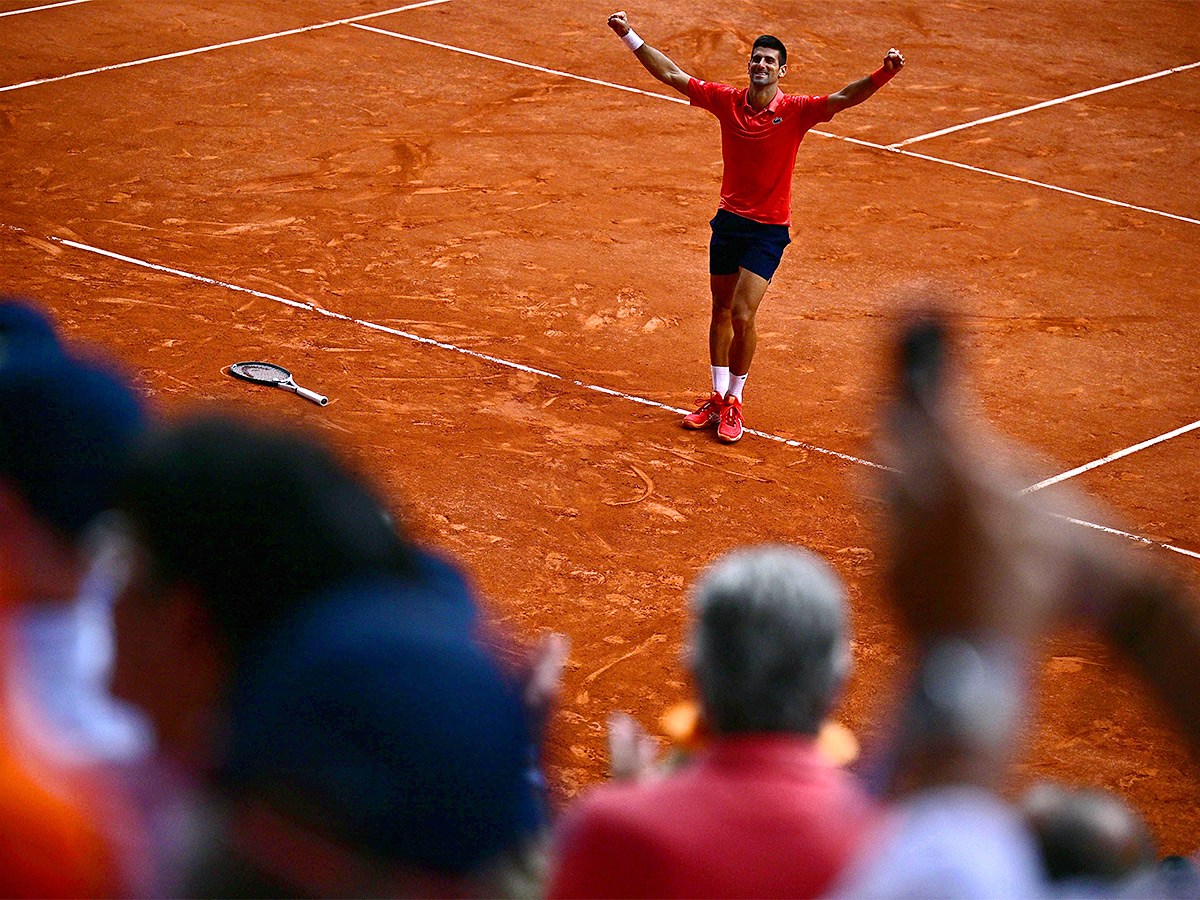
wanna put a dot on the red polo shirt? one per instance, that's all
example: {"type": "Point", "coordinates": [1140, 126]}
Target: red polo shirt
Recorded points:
{"type": "Point", "coordinates": [754, 816]}
{"type": "Point", "coordinates": [759, 148]}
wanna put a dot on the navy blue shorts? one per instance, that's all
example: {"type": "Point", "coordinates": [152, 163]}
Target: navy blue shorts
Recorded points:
{"type": "Point", "coordinates": [741, 242]}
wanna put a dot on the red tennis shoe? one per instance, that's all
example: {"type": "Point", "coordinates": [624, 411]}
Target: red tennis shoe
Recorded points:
{"type": "Point", "coordinates": [730, 427]}
{"type": "Point", "coordinates": [708, 414]}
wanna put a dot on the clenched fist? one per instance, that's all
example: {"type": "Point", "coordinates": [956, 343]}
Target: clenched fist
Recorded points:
{"type": "Point", "coordinates": [619, 23]}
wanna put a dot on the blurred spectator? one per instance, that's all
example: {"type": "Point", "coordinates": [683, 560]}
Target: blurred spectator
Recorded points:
{"type": "Point", "coordinates": [25, 333]}
{"type": "Point", "coordinates": [758, 812]}
{"type": "Point", "coordinates": [1174, 876]}
{"type": "Point", "coordinates": [65, 426]}
{"type": "Point", "coordinates": [1089, 837]}
{"type": "Point", "coordinates": [331, 679]}
{"type": "Point", "coordinates": [979, 571]}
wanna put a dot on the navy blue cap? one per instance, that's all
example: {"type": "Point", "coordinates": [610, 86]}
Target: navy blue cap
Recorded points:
{"type": "Point", "coordinates": [24, 332]}
{"type": "Point", "coordinates": [380, 712]}
{"type": "Point", "coordinates": [66, 424]}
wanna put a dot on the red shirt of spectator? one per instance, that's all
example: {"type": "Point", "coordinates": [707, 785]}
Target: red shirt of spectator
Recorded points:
{"type": "Point", "coordinates": [759, 147]}
{"type": "Point", "coordinates": [759, 815]}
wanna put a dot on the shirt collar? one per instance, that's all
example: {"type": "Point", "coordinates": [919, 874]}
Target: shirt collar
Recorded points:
{"type": "Point", "coordinates": [770, 107]}
{"type": "Point", "coordinates": [766, 748]}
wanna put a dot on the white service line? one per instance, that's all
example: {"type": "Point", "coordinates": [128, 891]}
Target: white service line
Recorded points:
{"type": "Point", "coordinates": [826, 134]}
{"type": "Point", "coordinates": [238, 43]}
{"type": "Point", "coordinates": [1016, 178]}
{"type": "Point", "coordinates": [296, 304]}
{"type": "Point", "coordinates": [523, 65]}
{"type": "Point", "coordinates": [512, 365]}
{"type": "Point", "coordinates": [192, 276]}
{"type": "Point", "coordinates": [29, 9]}
{"type": "Point", "coordinates": [1042, 105]}
{"type": "Point", "coordinates": [1150, 542]}
{"type": "Point", "coordinates": [1095, 464]}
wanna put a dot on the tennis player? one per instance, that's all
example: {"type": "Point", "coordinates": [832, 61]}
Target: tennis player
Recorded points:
{"type": "Point", "coordinates": [761, 130]}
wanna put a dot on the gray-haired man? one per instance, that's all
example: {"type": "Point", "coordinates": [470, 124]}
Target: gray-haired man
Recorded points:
{"type": "Point", "coordinates": [759, 813]}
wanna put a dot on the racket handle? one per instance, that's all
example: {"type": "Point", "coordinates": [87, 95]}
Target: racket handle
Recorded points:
{"type": "Point", "coordinates": [312, 395]}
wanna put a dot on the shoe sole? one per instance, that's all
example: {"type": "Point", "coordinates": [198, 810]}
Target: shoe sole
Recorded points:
{"type": "Point", "coordinates": [729, 440]}
{"type": "Point", "coordinates": [691, 427]}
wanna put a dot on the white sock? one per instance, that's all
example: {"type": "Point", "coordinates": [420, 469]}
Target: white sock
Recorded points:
{"type": "Point", "coordinates": [720, 379]}
{"type": "Point", "coordinates": [736, 383]}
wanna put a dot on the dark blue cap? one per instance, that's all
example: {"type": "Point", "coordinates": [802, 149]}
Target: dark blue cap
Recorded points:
{"type": "Point", "coordinates": [24, 332]}
{"type": "Point", "coordinates": [66, 424]}
{"type": "Point", "coordinates": [382, 714]}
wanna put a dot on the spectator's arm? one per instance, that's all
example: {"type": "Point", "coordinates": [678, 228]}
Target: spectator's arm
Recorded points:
{"type": "Point", "coordinates": [976, 570]}
{"type": "Point", "coordinates": [1157, 626]}
{"type": "Point", "coordinates": [980, 569]}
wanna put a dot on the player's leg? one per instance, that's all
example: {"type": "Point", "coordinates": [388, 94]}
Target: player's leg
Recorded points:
{"type": "Point", "coordinates": [748, 293]}
{"type": "Point", "coordinates": [760, 257]}
{"type": "Point", "coordinates": [720, 334]}
{"type": "Point", "coordinates": [723, 253]}
{"type": "Point", "coordinates": [720, 329]}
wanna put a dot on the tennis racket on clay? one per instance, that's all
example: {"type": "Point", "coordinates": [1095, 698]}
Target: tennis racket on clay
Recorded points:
{"type": "Point", "coordinates": [276, 376]}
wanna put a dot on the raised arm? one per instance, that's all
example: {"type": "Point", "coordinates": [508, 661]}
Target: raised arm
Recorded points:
{"type": "Point", "coordinates": [656, 63]}
{"type": "Point", "coordinates": [858, 91]}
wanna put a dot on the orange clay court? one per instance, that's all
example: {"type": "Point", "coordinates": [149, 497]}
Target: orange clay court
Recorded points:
{"type": "Point", "coordinates": [480, 228]}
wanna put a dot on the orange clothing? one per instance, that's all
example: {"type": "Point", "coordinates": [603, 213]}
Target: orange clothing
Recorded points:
{"type": "Point", "coordinates": [49, 845]}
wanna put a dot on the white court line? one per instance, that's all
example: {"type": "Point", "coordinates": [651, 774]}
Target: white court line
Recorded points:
{"type": "Point", "coordinates": [1016, 178]}
{"type": "Point", "coordinates": [435, 343]}
{"type": "Point", "coordinates": [1150, 542]}
{"type": "Point", "coordinates": [523, 65]}
{"type": "Point", "coordinates": [838, 137]}
{"type": "Point", "coordinates": [29, 9]}
{"type": "Point", "coordinates": [512, 365]}
{"type": "Point", "coordinates": [238, 43]}
{"type": "Point", "coordinates": [597, 388]}
{"type": "Point", "coordinates": [1042, 105]}
{"type": "Point", "coordinates": [1095, 464]}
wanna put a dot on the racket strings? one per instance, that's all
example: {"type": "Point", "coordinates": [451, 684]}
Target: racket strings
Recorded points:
{"type": "Point", "coordinates": [263, 373]}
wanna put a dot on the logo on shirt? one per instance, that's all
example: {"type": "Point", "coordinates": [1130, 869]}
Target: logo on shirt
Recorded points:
{"type": "Point", "coordinates": [777, 120]}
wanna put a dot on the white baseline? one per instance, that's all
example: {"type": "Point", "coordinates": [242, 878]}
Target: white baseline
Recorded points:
{"type": "Point", "coordinates": [861, 143]}
{"type": "Point", "coordinates": [523, 65]}
{"type": "Point", "coordinates": [221, 46]}
{"type": "Point", "coordinates": [29, 9]}
{"type": "Point", "coordinates": [296, 304]}
{"type": "Point", "coordinates": [1029, 181]}
{"type": "Point", "coordinates": [1042, 105]}
{"type": "Point", "coordinates": [1150, 542]}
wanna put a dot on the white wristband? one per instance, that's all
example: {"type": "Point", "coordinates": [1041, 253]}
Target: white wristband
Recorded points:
{"type": "Point", "coordinates": [631, 39]}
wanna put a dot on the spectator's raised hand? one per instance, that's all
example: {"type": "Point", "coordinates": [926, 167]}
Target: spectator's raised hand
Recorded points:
{"type": "Point", "coordinates": [971, 555]}
{"type": "Point", "coordinates": [947, 517]}
{"type": "Point", "coordinates": [542, 679]}
{"type": "Point", "coordinates": [632, 753]}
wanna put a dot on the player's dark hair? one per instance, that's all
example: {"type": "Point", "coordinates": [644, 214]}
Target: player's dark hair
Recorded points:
{"type": "Point", "coordinates": [257, 520]}
{"type": "Point", "coordinates": [771, 43]}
